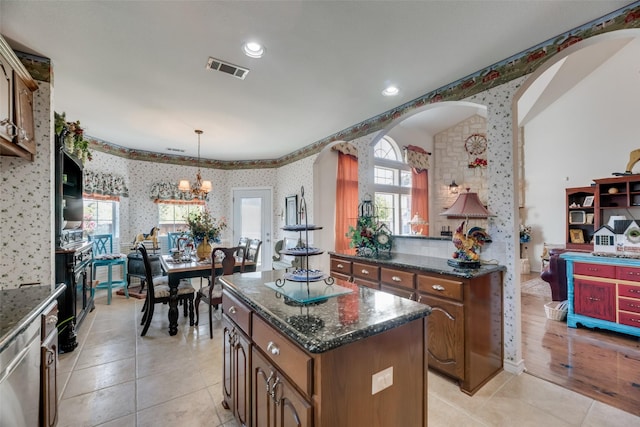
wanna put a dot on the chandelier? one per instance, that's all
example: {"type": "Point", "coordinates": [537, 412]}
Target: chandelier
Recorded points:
{"type": "Point", "coordinates": [200, 188]}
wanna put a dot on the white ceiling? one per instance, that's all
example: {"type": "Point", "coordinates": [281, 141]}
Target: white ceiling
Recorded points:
{"type": "Point", "coordinates": [133, 72]}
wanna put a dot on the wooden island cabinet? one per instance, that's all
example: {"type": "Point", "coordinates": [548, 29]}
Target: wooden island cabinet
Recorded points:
{"type": "Point", "coordinates": [465, 325]}
{"type": "Point", "coordinates": [350, 360]}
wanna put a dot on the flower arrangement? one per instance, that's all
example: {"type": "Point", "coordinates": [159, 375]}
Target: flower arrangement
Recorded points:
{"type": "Point", "coordinates": [363, 235]}
{"type": "Point", "coordinates": [202, 224]}
{"type": "Point", "coordinates": [73, 137]}
{"type": "Point", "coordinates": [478, 163]}
{"type": "Point", "coordinates": [525, 233]}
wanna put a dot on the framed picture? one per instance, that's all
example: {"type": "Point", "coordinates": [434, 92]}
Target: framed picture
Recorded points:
{"type": "Point", "coordinates": [291, 210]}
{"type": "Point", "coordinates": [576, 235]}
{"type": "Point", "coordinates": [588, 202]}
{"type": "Point", "coordinates": [589, 218]}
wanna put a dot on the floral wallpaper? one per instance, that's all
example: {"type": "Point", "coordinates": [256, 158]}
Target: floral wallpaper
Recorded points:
{"type": "Point", "coordinates": [26, 204]}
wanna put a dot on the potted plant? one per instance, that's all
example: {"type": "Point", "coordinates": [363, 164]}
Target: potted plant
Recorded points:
{"type": "Point", "coordinates": [72, 136]}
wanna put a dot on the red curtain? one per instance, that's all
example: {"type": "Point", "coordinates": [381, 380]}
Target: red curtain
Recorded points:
{"type": "Point", "coordinates": [346, 199]}
{"type": "Point", "coordinates": [420, 197]}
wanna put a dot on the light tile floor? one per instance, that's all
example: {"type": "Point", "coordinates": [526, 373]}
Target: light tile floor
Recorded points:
{"type": "Point", "coordinates": [117, 378]}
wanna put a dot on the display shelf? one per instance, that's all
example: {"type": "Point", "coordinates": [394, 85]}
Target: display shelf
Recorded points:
{"type": "Point", "coordinates": [580, 219]}
{"type": "Point", "coordinates": [305, 286]}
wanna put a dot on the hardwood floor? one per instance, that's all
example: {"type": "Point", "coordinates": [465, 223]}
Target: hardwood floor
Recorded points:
{"type": "Point", "coordinates": [599, 364]}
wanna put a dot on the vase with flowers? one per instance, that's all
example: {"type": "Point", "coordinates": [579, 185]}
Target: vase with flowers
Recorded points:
{"type": "Point", "coordinates": [204, 228]}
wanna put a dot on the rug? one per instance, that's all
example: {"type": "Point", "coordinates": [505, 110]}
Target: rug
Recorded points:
{"type": "Point", "coordinates": [536, 286]}
{"type": "Point", "coordinates": [134, 292]}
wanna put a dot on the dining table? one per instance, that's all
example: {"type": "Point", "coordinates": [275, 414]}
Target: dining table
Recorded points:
{"type": "Point", "coordinates": [185, 269]}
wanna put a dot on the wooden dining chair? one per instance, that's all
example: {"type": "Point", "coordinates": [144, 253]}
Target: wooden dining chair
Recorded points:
{"type": "Point", "coordinates": [159, 293]}
{"type": "Point", "coordinates": [253, 254]}
{"type": "Point", "coordinates": [223, 262]}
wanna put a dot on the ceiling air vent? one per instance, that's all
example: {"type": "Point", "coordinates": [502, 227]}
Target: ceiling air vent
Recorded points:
{"type": "Point", "coordinates": [228, 68]}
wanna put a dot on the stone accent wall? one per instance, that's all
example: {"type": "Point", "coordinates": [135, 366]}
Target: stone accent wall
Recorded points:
{"type": "Point", "coordinates": [451, 162]}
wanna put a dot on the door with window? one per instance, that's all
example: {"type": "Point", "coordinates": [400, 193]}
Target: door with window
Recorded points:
{"type": "Point", "coordinates": [252, 218]}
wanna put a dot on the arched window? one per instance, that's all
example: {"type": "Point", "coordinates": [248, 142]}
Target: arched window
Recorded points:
{"type": "Point", "coordinates": [392, 184]}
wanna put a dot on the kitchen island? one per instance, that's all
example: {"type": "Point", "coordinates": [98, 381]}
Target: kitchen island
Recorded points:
{"type": "Point", "coordinates": [355, 359]}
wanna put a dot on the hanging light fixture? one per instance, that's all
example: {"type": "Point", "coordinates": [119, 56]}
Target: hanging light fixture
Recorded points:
{"type": "Point", "coordinates": [200, 188]}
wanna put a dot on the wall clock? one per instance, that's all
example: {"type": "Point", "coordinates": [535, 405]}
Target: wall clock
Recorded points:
{"type": "Point", "coordinates": [476, 144]}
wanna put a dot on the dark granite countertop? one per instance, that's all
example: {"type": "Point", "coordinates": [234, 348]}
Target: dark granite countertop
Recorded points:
{"type": "Point", "coordinates": [424, 263]}
{"type": "Point", "coordinates": [343, 319]}
{"type": "Point", "coordinates": [19, 307]}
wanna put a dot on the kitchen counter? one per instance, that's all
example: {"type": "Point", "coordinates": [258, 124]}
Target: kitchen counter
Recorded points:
{"type": "Point", "coordinates": [425, 264]}
{"type": "Point", "coordinates": [345, 318]}
{"type": "Point", "coordinates": [20, 307]}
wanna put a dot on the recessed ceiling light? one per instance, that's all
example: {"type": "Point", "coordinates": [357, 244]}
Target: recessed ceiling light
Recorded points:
{"type": "Point", "coordinates": [390, 91]}
{"type": "Point", "coordinates": [253, 50]}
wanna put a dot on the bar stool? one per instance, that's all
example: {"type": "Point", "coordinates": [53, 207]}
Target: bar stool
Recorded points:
{"type": "Point", "coordinates": [103, 256]}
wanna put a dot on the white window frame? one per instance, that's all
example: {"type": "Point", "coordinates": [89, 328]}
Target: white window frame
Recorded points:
{"type": "Point", "coordinates": [401, 194]}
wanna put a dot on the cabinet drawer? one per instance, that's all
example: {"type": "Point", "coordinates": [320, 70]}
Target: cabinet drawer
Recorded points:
{"type": "Point", "coordinates": [629, 319]}
{"type": "Point", "coordinates": [399, 292]}
{"type": "Point", "coordinates": [366, 271]}
{"type": "Point", "coordinates": [440, 287]}
{"type": "Point", "coordinates": [397, 278]}
{"type": "Point", "coordinates": [629, 291]}
{"type": "Point", "coordinates": [595, 270]}
{"type": "Point", "coordinates": [290, 358]}
{"type": "Point", "coordinates": [341, 266]}
{"type": "Point", "coordinates": [627, 304]}
{"type": "Point", "coordinates": [237, 311]}
{"type": "Point", "coordinates": [628, 273]}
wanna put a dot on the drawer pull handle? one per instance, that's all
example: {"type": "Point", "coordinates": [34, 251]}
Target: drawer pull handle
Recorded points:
{"type": "Point", "coordinates": [594, 299]}
{"type": "Point", "coordinates": [273, 349]}
{"type": "Point", "coordinates": [633, 273]}
{"type": "Point", "coordinates": [396, 279]}
{"type": "Point", "coordinates": [365, 271]}
{"type": "Point", "coordinates": [232, 310]}
{"type": "Point", "coordinates": [52, 320]}
{"type": "Point", "coordinates": [340, 266]}
{"type": "Point", "coordinates": [438, 288]}
{"type": "Point", "coordinates": [634, 291]}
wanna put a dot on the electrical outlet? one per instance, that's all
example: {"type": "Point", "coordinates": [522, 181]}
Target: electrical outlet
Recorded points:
{"type": "Point", "coordinates": [382, 380]}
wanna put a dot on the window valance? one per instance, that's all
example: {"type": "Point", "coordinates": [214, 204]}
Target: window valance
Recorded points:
{"type": "Point", "coordinates": [104, 186]}
{"type": "Point", "coordinates": [346, 148]}
{"type": "Point", "coordinates": [417, 157]}
{"type": "Point", "coordinates": [168, 192]}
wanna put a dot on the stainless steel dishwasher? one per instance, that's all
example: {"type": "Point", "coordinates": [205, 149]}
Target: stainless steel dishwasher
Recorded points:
{"type": "Point", "coordinates": [20, 378]}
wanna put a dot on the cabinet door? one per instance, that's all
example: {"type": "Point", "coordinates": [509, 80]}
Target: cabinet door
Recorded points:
{"type": "Point", "coordinates": [262, 405]}
{"type": "Point", "coordinates": [228, 380]}
{"type": "Point", "coordinates": [292, 410]}
{"type": "Point", "coordinates": [445, 328]}
{"type": "Point", "coordinates": [276, 402]}
{"type": "Point", "coordinates": [242, 395]}
{"type": "Point", "coordinates": [594, 299]}
{"type": "Point", "coordinates": [6, 100]}
{"type": "Point", "coordinates": [399, 292]}
{"type": "Point", "coordinates": [24, 116]}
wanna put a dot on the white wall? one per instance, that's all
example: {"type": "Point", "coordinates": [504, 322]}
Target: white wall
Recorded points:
{"type": "Point", "coordinates": [586, 134]}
